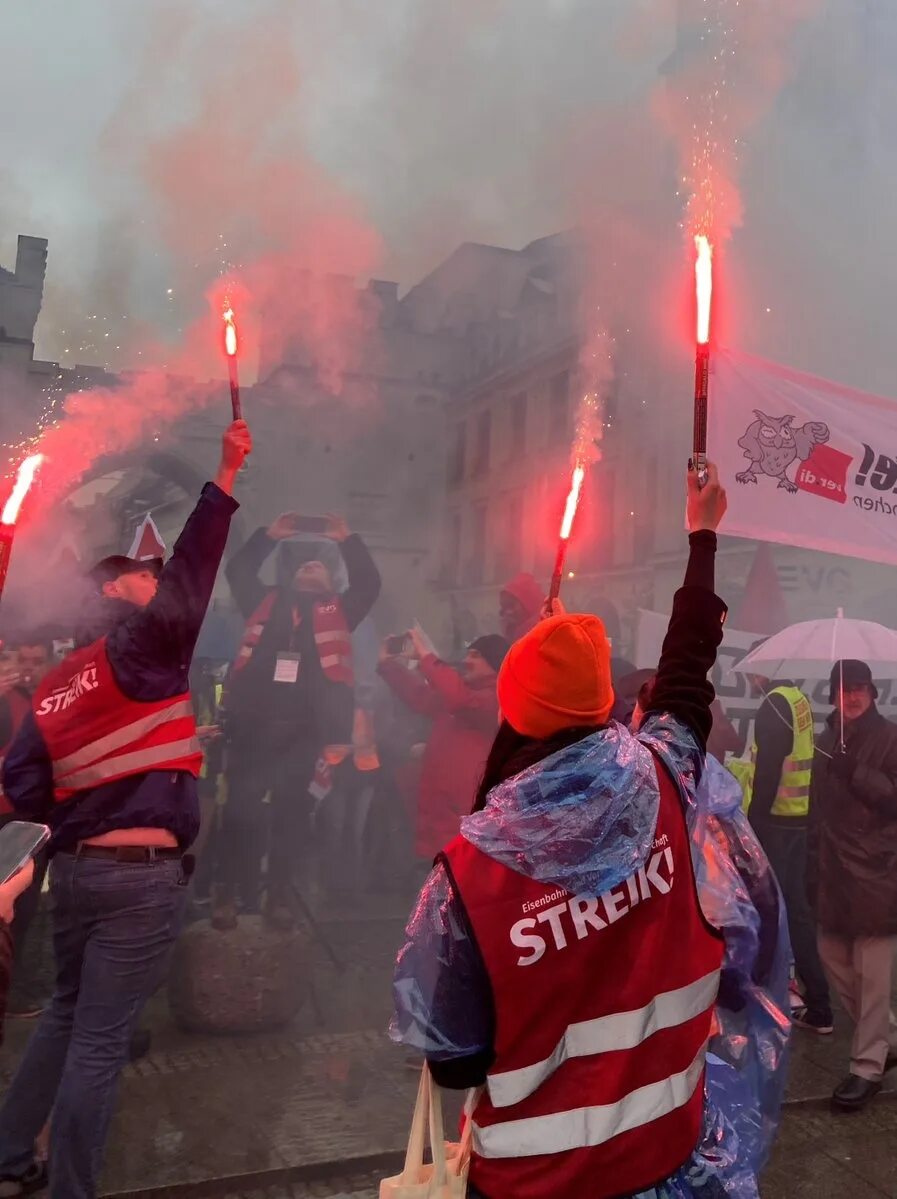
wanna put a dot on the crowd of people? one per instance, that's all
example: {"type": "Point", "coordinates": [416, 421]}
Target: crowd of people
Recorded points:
{"type": "Point", "coordinates": [558, 791]}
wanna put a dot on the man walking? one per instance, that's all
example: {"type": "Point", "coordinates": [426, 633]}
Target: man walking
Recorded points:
{"type": "Point", "coordinates": [109, 757]}
{"type": "Point", "coordinates": [778, 799]}
{"type": "Point", "coordinates": [852, 874]}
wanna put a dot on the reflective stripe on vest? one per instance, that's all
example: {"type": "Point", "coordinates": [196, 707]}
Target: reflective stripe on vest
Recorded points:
{"type": "Point", "coordinates": [621, 1030]}
{"type": "Point", "coordinates": [135, 762]}
{"type": "Point", "coordinates": [588, 1127]}
{"type": "Point", "coordinates": [65, 767]}
{"type": "Point", "coordinates": [793, 792]}
{"type": "Point", "coordinates": [96, 734]}
{"type": "Point", "coordinates": [595, 1089]}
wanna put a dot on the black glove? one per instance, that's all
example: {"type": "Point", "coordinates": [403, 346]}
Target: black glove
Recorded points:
{"type": "Point", "coordinates": [841, 765]}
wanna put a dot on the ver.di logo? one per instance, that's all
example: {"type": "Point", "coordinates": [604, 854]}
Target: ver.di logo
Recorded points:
{"type": "Point", "coordinates": [772, 445]}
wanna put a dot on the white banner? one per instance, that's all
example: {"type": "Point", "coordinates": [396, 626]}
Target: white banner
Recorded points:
{"type": "Point", "coordinates": [805, 462]}
{"type": "Point", "coordinates": [733, 689]}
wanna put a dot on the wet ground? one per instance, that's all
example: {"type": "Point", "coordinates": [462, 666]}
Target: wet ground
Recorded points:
{"type": "Point", "coordinates": [321, 1109]}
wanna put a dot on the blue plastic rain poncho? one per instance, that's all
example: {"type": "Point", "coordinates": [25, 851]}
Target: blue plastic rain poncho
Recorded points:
{"type": "Point", "coordinates": [584, 819]}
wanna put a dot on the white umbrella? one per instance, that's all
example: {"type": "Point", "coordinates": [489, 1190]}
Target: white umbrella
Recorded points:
{"type": "Point", "coordinates": [808, 650]}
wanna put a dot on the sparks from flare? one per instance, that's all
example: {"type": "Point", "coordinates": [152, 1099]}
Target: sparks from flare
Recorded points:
{"type": "Point", "coordinates": [24, 479]}
{"type": "Point", "coordinates": [703, 286]}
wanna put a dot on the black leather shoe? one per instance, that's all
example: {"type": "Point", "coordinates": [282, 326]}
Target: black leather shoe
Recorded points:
{"type": "Point", "coordinates": [854, 1093]}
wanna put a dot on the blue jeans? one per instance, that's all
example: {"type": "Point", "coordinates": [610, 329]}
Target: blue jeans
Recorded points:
{"type": "Point", "coordinates": [114, 924]}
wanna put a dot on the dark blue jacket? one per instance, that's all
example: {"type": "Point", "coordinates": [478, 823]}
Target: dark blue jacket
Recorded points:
{"type": "Point", "coordinates": [150, 650]}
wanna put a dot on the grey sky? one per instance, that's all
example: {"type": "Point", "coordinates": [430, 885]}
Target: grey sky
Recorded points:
{"type": "Point", "coordinates": [443, 121]}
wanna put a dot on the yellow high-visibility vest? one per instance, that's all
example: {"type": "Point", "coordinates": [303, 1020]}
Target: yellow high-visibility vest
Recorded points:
{"type": "Point", "coordinates": [793, 793]}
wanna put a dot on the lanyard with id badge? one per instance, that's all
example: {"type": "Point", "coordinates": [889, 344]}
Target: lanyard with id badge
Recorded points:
{"type": "Point", "coordinates": [286, 667]}
{"type": "Point", "coordinates": [287, 662]}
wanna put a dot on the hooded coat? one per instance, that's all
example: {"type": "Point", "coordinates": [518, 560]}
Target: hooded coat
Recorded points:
{"type": "Point", "coordinates": [465, 721]}
{"type": "Point", "coordinates": [852, 862]}
{"type": "Point", "coordinates": [584, 820]}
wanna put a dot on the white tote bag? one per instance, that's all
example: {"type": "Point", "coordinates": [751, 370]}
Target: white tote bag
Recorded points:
{"type": "Point", "coordinates": [446, 1177]}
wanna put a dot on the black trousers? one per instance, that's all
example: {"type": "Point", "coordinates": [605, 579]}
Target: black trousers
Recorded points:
{"type": "Point", "coordinates": [250, 829]}
{"type": "Point", "coordinates": [786, 849]}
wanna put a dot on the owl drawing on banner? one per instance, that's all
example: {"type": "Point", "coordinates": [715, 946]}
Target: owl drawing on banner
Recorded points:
{"type": "Point", "coordinates": [771, 445]}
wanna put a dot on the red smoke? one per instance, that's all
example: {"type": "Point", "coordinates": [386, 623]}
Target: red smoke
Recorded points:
{"type": "Point", "coordinates": [238, 197]}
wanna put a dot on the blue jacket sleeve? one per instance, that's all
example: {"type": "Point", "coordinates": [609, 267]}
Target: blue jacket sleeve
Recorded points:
{"type": "Point", "coordinates": [28, 773]}
{"type": "Point", "coordinates": [150, 652]}
{"type": "Point", "coordinates": [442, 995]}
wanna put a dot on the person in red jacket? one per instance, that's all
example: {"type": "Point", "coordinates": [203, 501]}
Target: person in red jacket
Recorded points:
{"type": "Point", "coordinates": [464, 709]}
{"type": "Point", "coordinates": [519, 606]}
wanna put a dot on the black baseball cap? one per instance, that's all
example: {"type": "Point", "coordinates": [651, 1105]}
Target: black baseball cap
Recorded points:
{"type": "Point", "coordinates": [856, 674]}
{"type": "Point", "coordinates": [109, 569]}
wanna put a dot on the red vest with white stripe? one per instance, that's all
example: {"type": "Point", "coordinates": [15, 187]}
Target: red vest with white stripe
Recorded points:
{"type": "Point", "coordinates": [95, 734]}
{"type": "Point", "coordinates": [333, 638]}
{"type": "Point", "coordinates": [603, 1010]}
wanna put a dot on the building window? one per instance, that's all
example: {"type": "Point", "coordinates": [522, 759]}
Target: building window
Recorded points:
{"type": "Point", "coordinates": [456, 457]}
{"type": "Point", "coordinates": [452, 568]}
{"type": "Point", "coordinates": [603, 501]}
{"type": "Point", "coordinates": [476, 564]}
{"type": "Point", "coordinates": [645, 508]}
{"type": "Point", "coordinates": [483, 444]}
{"type": "Point", "coordinates": [517, 412]}
{"type": "Point", "coordinates": [559, 408]}
{"type": "Point", "coordinates": [506, 561]}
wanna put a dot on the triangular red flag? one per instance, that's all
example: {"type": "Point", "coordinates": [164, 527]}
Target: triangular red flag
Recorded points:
{"type": "Point", "coordinates": [762, 608]}
{"type": "Point", "coordinates": [147, 543]}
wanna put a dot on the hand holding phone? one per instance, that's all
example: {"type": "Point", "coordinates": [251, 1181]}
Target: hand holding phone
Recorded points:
{"type": "Point", "coordinates": [396, 645]}
{"type": "Point", "coordinates": [13, 888]}
{"type": "Point", "coordinates": [19, 842]}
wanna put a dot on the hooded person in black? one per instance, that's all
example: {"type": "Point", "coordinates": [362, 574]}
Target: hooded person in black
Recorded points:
{"type": "Point", "coordinates": [290, 696]}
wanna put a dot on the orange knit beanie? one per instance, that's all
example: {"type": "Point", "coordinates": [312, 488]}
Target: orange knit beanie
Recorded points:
{"type": "Point", "coordinates": [557, 677]}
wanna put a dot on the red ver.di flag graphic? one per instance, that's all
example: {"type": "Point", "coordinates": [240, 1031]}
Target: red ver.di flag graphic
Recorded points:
{"type": "Point", "coordinates": [805, 461]}
{"type": "Point", "coordinates": [825, 473]}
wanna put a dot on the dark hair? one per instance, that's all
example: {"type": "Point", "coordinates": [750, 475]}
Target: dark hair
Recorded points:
{"type": "Point", "coordinates": [511, 753]}
{"type": "Point", "coordinates": [646, 692]}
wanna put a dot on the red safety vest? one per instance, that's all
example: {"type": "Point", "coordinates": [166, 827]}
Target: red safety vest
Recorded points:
{"type": "Point", "coordinates": [332, 637]}
{"type": "Point", "coordinates": [603, 1010]}
{"type": "Point", "coordinates": [19, 706]}
{"type": "Point", "coordinates": [95, 734]}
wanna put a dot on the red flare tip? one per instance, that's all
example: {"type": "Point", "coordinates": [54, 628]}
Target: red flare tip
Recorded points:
{"type": "Point", "coordinates": [24, 478]}
{"type": "Point", "coordinates": [230, 332]}
{"type": "Point", "coordinates": [703, 286]}
{"type": "Point", "coordinates": [579, 474]}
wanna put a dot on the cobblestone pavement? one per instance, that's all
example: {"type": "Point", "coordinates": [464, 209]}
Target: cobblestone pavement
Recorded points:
{"type": "Point", "coordinates": [299, 1114]}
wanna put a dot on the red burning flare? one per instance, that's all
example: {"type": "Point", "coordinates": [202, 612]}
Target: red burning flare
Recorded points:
{"type": "Point", "coordinates": [579, 474]}
{"type": "Point", "coordinates": [703, 286]}
{"type": "Point", "coordinates": [230, 332]}
{"type": "Point", "coordinates": [24, 479]}
{"type": "Point", "coordinates": [230, 348]}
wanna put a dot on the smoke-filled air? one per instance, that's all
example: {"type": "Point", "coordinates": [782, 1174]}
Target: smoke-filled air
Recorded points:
{"type": "Point", "coordinates": [448, 629]}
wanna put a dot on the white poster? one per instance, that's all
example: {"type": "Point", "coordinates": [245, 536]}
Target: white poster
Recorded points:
{"type": "Point", "coordinates": [805, 462]}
